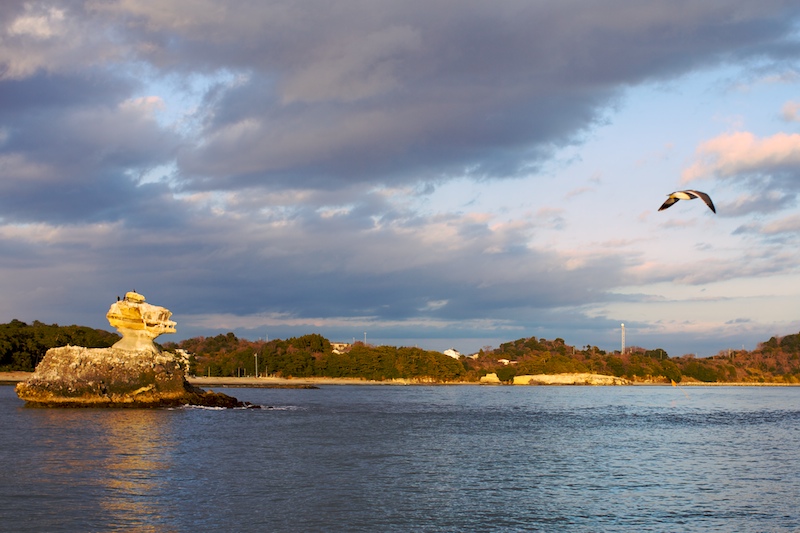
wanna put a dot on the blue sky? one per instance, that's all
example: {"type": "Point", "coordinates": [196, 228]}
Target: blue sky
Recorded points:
{"type": "Point", "coordinates": [440, 174]}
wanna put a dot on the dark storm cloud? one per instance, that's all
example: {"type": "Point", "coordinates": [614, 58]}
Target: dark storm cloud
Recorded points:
{"type": "Point", "coordinates": [42, 92]}
{"type": "Point", "coordinates": [406, 91]}
{"type": "Point", "coordinates": [75, 147]}
{"type": "Point", "coordinates": [320, 95]}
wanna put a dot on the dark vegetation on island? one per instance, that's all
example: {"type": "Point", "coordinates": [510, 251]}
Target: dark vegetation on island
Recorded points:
{"type": "Point", "coordinates": [23, 345]}
{"type": "Point", "coordinates": [777, 360]}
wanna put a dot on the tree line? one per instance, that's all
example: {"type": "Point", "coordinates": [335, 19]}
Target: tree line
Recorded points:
{"type": "Point", "coordinates": [774, 361]}
{"type": "Point", "coordinates": [777, 360]}
{"type": "Point", "coordinates": [312, 355]}
{"type": "Point", "coordinates": [22, 346]}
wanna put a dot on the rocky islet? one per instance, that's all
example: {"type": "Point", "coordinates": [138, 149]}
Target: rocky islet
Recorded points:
{"type": "Point", "coordinates": [132, 373]}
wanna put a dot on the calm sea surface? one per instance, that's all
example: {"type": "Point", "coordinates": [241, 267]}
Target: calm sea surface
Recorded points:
{"type": "Point", "coordinates": [392, 458]}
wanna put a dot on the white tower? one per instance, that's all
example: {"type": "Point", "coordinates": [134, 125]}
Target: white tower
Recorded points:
{"type": "Point", "coordinates": [623, 338]}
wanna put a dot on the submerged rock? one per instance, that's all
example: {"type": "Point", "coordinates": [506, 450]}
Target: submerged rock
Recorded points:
{"type": "Point", "coordinates": [132, 373]}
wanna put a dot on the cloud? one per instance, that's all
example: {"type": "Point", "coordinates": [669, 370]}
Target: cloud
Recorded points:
{"type": "Point", "coordinates": [410, 92]}
{"type": "Point", "coordinates": [279, 162]}
{"type": "Point", "coordinates": [42, 25]}
{"type": "Point", "coordinates": [764, 262]}
{"type": "Point", "coordinates": [401, 268]}
{"type": "Point", "coordinates": [36, 37]}
{"type": "Point", "coordinates": [790, 224]}
{"type": "Point", "coordinates": [764, 169]}
{"type": "Point", "coordinates": [733, 155]}
{"type": "Point", "coordinates": [579, 191]}
{"type": "Point", "coordinates": [783, 230]}
{"type": "Point", "coordinates": [765, 202]}
{"type": "Point", "coordinates": [77, 148]}
{"type": "Point", "coordinates": [407, 93]}
{"type": "Point", "coordinates": [790, 112]}
{"type": "Point", "coordinates": [354, 69]}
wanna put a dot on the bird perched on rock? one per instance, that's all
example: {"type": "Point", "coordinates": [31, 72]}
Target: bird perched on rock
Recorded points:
{"type": "Point", "coordinates": [688, 195]}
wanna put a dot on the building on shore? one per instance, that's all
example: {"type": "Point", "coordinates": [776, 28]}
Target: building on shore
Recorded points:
{"type": "Point", "coordinates": [452, 352]}
{"type": "Point", "coordinates": [340, 347]}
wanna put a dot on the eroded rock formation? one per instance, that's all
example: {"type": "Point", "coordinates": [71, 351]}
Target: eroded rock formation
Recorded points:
{"type": "Point", "coordinates": [132, 373]}
{"type": "Point", "coordinates": [138, 322]}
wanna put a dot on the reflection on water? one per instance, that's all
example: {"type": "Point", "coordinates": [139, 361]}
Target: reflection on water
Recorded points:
{"type": "Point", "coordinates": [109, 467]}
{"type": "Point", "coordinates": [135, 467]}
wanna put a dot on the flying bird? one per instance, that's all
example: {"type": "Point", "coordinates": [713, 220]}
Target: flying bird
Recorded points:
{"type": "Point", "coordinates": [687, 195]}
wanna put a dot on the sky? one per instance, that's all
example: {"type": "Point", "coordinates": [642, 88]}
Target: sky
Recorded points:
{"type": "Point", "coordinates": [431, 173]}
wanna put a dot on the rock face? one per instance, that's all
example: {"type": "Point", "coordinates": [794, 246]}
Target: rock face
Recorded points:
{"type": "Point", "coordinates": [132, 373]}
{"type": "Point", "coordinates": [490, 378]}
{"type": "Point", "coordinates": [569, 379]}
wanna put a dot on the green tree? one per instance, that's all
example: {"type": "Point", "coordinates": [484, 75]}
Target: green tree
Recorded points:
{"type": "Point", "coordinates": [701, 371]}
{"type": "Point", "coordinates": [506, 373]}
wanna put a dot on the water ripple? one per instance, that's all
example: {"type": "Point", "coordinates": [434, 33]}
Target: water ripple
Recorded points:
{"type": "Point", "coordinates": [574, 459]}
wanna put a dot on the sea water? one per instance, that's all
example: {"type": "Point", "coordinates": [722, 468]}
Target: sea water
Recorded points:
{"type": "Point", "coordinates": [415, 458]}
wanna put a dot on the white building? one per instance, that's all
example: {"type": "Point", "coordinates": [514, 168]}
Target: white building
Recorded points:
{"type": "Point", "coordinates": [452, 352]}
{"type": "Point", "coordinates": [340, 347]}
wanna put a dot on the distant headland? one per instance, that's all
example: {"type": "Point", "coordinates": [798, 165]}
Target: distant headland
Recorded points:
{"type": "Point", "coordinates": [774, 361]}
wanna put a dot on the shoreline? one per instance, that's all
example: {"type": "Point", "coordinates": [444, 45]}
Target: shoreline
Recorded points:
{"type": "Point", "coordinates": [315, 382]}
{"type": "Point", "coordinates": [12, 378]}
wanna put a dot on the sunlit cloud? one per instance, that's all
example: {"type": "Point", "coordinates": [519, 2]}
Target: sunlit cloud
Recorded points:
{"type": "Point", "coordinates": [38, 23]}
{"type": "Point", "coordinates": [737, 153]}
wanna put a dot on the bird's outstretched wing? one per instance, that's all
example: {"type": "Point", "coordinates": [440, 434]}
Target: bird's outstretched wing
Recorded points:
{"type": "Point", "coordinates": [706, 198]}
{"type": "Point", "coordinates": [668, 203]}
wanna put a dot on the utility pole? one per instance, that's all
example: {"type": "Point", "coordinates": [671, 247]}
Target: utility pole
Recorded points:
{"type": "Point", "coordinates": [256, 355]}
{"type": "Point", "coordinates": [623, 338]}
